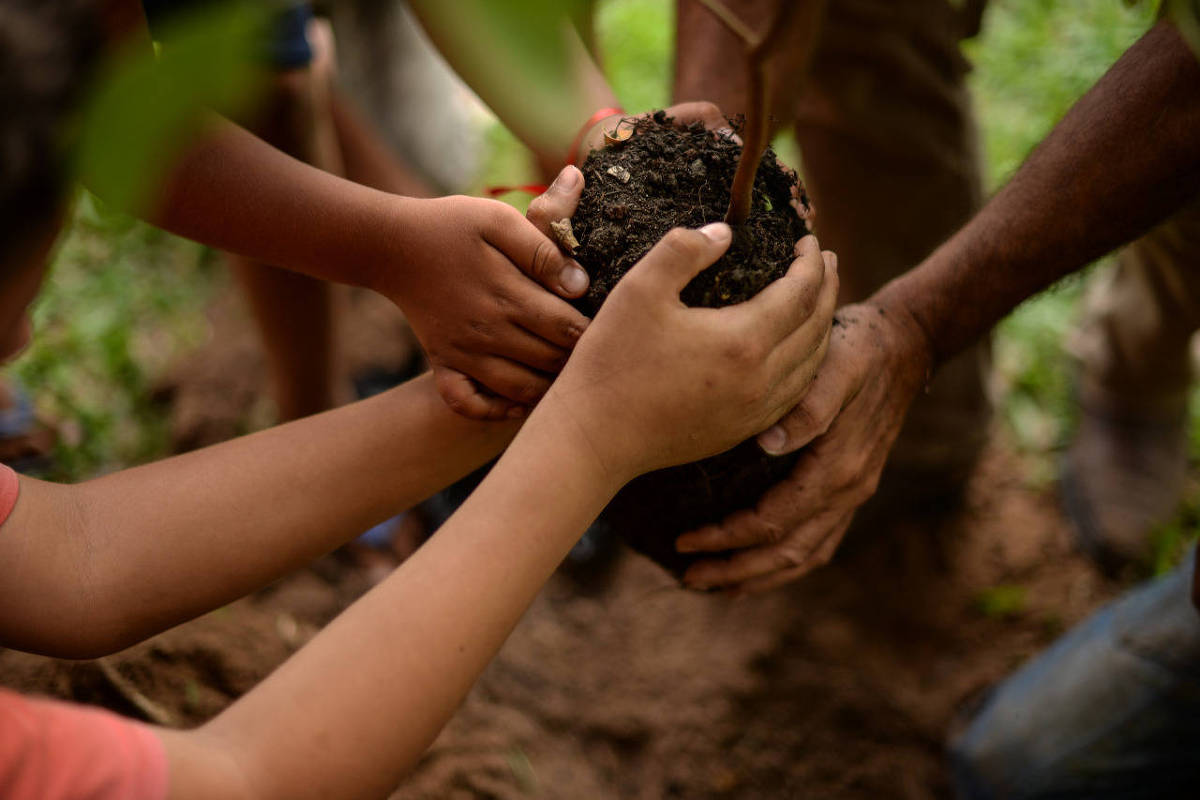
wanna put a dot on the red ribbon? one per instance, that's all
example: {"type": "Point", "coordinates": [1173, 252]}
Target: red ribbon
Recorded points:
{"type": "Point", "coordinates": [537, 188]}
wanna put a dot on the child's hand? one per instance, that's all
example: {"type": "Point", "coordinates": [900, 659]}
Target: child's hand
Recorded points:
{"type": "Point", "coordinates": [654, 383]}
{"type": "Point", "coordinates": [494, 337]}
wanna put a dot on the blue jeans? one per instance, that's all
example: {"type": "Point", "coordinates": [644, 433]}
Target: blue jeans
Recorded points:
{"type": "Point", "coordinates": [1111, 710]}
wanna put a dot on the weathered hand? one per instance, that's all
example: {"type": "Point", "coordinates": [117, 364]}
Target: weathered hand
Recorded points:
{"type": "Point", "coordinates": [493, 335]}
{"type": "Point", "coordinates": [654, 383]}
{"type": "Point", "coordinates": [878, 361]}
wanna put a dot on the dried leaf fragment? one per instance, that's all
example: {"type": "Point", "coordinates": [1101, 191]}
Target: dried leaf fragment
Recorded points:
{"type": "Point", "coordinates": [564, 235]}
{"type": "Point", "coordinates": [618, 172]}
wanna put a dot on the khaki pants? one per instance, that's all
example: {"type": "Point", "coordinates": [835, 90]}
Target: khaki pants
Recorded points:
{"type": "Point", "coordinates": [876, 91]}
{"type": "Point", "coordinates": [1139, 318]}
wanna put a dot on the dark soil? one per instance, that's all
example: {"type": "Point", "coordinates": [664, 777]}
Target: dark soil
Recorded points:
{"type": "Point", "coordinates": [665, 177]}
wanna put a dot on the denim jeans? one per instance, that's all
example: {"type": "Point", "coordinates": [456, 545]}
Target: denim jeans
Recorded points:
{"type": "Point", "coordinates": [1111, 710]}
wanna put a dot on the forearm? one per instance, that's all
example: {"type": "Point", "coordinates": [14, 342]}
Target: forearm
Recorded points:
{"type": "Point", "coordinates": [140, 550]}
{"type": "Point", "coordinates": [417, 642]}
{"type": "Point", "coordinates": [233, 191]}
{"type": "Point", "coordinates": [542, 102]}
{"type": "Point", "coordinates": [1124, 158]}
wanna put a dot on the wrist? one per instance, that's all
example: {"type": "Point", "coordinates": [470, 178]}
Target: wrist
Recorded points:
{"type": "Point", "coordinates": [392, 243]}
{"type": "Point", "coordinates": [913, 340]}
{"type": "Point", "coordinates": [570, 423]}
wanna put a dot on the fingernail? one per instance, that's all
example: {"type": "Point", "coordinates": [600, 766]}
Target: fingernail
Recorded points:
{"type": "Point", "coordinates": [573, 279]}
{"type": "Point", "coordinates": [717, 232]}
{"type": "Point", "coordinates": [683, 546]}
{"type": "Point", "coordinates": [516, 412]}
{"type": "Point", "coordinates": [566, 179]}
{"type": "Point", "coordinates": [773, 440]}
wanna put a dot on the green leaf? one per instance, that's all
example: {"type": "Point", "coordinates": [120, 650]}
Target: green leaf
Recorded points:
{"type": "Point", "coordinates": [146, 107]}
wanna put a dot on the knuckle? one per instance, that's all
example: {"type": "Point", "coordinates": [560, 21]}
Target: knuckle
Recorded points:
{"type": "Point", "coordinates": [807, 296]}
{"type": "Point", "coordinates": [743, 352]}
{"type": "Point", "coordinates": [844, 477]}
{"type": "Point", "coordinates": [481, 328]}
{"type": "Point", "coordinates": [544, 264]}
{"type": "Point", "coordinates": [788, 558]}
{"type": "Point", "coordinates": [772, 532]}
{"type": "Point", "coordinates": [821, 557]}
{"type": "Point", "coordinates": [681, 242]}
{"type": "Point", "coordinates": [538, 208]}
{"type": "Point", "coordinates": [529, 393]}
{"type": "Point", "coordinates": [500, 215]}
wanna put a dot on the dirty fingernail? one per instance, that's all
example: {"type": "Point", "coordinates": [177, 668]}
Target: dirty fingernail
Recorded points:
{"type": "Point", "coordinates": [717, 232]}
{"type": "Point", "coordinates": [573, 279]}
{"type": "Point", "coordinates": [773, 440]}
{"type": "Point", "coordinates": [566, 179]}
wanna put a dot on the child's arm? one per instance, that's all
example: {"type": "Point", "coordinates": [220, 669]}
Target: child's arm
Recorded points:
{"type": "Point", "coordinates": [459, 267]}
{"type": "Point", "coordinates": [464, 270]}
{"type": "Point", "coordinates": [140, 550]}
{"type": "Point", "coordinates": [100, 565]}
{"type": "Point", "coordinates": [542, 94]}
{"type": "Point", "coordinates": [652, 383]}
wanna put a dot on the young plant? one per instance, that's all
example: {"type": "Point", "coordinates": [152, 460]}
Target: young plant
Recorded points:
{"type": "Point", "coordinates": [758, 48]}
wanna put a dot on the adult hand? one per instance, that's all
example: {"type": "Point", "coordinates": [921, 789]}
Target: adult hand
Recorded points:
{"type": "Point", "coordinates": [654, 383]}
{"type": "Point", "coordinates": [479, 303]}
{"type": "Point", "coordinates": [878, 361]}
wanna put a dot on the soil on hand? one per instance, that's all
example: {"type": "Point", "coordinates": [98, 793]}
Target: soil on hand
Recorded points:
{"type": "Point", "coordinates": [665, 177]}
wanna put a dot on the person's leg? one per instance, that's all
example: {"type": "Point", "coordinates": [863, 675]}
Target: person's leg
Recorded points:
{"type": "Point", "coordinates": [296, 314]}
{"type": "Point", "coordinates": [1125, 470]}
{"type": "Point", "coordinates": [1112, 710]}
{"type": "Point", "coordinates": [891, 162]}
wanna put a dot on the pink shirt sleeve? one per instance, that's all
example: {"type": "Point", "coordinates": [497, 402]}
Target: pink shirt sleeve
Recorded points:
{"type": "Point", "coordinates": [57, 751]}
{"type": "Point", "coordinates": [10, 487]}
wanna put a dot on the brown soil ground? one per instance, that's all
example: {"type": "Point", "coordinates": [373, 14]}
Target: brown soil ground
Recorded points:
{"type": "Point", "coordinates": [842, 686]}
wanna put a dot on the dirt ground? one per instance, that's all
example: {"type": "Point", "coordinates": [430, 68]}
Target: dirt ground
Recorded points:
{"type": "Point", "coordinates": [842, 686]}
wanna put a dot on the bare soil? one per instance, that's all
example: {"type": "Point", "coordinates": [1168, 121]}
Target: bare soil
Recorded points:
{"type": "Point", "coordinates": [667, 176]}
{"type": "Point", "coordinates": [842, 686]}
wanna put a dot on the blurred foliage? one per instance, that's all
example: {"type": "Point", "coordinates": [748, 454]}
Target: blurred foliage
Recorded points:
{"type": "Point", "coordinates": [1186, 14]}
{"type": "Point", "coordinates": [122, 301]}
{"type": "Point", "coordinates": [1033, 60]}
{"type": "Point", "coordinates": [149, 102]}
{"type": "Point", "coordinates": [1171, 540]}
{"type": "Point", "coordinates": [1003, 601]}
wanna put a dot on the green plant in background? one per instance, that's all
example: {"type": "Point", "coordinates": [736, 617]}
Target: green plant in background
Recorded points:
{"type": "Point", "coordinates": [1171, 540]}
{"type": "Point", "coordinates": [148, 104]}
{"type": "Point", "coordinates": [122, 298]}
{"type": "Point", "coordinates": [1033, 60]}
{"type": "Point", "coordinates": [1003, 601]}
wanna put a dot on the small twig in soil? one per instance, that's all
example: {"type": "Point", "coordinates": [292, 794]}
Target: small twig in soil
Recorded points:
{"type": "Point", "coordinates": [565, 235]}
{"type": "Point", "coordinates": [758, 48]}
